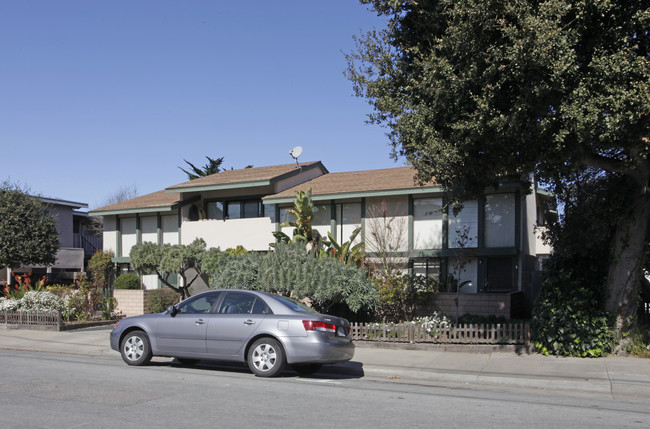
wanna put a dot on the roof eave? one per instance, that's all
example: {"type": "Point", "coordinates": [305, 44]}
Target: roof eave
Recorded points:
{"type": "Point", "coordinates": [359, 194]}
{"type": "Point", "coordinates": [220, 187]}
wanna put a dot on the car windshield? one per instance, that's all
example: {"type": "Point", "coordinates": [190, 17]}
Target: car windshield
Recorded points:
{"type": "Point", "coordinates": [293, 304]}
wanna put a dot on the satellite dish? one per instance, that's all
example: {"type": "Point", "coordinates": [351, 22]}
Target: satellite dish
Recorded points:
{"type": "Point", "coordinates": [295, 153]}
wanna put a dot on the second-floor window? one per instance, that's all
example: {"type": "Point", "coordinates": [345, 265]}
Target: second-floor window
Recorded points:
{"type": "Point", "coordinates": [235, 209]}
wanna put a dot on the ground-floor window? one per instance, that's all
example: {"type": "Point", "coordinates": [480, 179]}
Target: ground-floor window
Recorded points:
{"type": "Point", "coordinates": [429, 267]}
{"type": "Point", "coordinates": [500, 274]}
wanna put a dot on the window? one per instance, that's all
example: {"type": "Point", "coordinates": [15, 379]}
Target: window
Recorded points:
{"type": "Point", "coordinates": [427, 223]}
{"type": "Point", "coordinates": [243, 303]}
{"type": "Point", "coordinates": [463, 228]}
{"type": "Point", "coordinates": [322, 218]}
{"type": "Point", "coordinates": [235, 209]}
{"type": "Point", "coordinates": [293, 304]}
{"type": "Point", "coordinates": [348, 218]}
{"type": "Point", "coordinates": [465, 275]}
{"type": "Point", "coordinates": [500, 274]}
{"type": "Point", "coordinates": [215, 210]}
{"type": "Point", "coordinates": [199, 305]}
{"type": "Point", "coordinates": [500, 220]}
{"type": "Point", "coordinates": [428, 267]}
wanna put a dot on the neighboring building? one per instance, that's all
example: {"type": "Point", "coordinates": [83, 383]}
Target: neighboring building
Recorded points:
{"type": "Point", "coordinates": [76, 244]}
{"type": "Point", "coordinates": [498, 239]}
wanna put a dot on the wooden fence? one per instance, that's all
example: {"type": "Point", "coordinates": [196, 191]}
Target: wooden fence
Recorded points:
{"type": "Point", "coordinates": [501, 333]}
{"type": "Point", "coordinates": [31, 318]}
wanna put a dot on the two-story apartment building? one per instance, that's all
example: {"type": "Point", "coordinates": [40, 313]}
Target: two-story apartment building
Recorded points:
{"type": "Point", "coordinates": [76, 243]}
{"type": "Point", "coordinates": [497, 239]}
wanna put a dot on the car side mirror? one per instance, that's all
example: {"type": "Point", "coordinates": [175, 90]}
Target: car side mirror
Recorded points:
{"type": "Point", "coordinates": [172, 310]}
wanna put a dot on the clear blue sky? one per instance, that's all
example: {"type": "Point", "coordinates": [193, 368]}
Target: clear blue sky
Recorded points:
{"type": "Point", "coordinates": [100, 95]}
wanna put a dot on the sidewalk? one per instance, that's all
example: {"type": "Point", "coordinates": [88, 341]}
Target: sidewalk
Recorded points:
{"type": "Point", "coordinates": [617, 377]}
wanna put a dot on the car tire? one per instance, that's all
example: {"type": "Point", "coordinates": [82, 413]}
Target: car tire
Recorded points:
{"type": "Point", "coordinates": [266, 357]}
{"type": "Point", "coordinates": [307, 368]}
{"type": "Point", "coordinates": [135, 348]}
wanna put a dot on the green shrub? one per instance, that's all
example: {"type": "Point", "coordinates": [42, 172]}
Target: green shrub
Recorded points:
{"type": "Point", "coordinates": [159, 299]}
{"type": "Point", "coordinates": [127, 281]}
{"type": "Point", "coordinates": [568, 320]}
{"type": "Point", "coordinates": [235, 272]}
{"type": "Point", "coordinates": [101, 268]}
{"type": "Point", "coordinates": [291, 270]}
{"type": "Point", "coordinates": [400, 294]}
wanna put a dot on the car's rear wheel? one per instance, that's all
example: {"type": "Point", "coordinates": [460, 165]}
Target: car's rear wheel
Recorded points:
{"type": "Point", "coordinates": [135, 348]}
{"type": "Point", "coordinates": [266, 357]}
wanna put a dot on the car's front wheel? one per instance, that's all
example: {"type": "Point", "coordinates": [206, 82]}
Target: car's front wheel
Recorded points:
{"type": "Point", "coordinates": [266, 357]}
{"type": "Point", "coordinates": [135, 348]}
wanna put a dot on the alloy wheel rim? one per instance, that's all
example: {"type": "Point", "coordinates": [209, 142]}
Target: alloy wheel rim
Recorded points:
{"type": "Point", "coordinates": [134, 348]}
{"type": "Point", "coordinates": [264, 357]}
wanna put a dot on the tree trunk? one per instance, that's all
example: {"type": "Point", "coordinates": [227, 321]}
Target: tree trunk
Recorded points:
{"type": "Point", "coordinates": [627, 260]}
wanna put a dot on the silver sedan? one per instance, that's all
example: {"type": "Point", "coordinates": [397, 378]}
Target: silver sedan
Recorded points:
{"type": "Point", "coordinates": [265, 331]}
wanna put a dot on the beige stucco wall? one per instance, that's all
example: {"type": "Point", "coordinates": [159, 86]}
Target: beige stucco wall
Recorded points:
{"type": "Point", "coordinates": [298, 179]}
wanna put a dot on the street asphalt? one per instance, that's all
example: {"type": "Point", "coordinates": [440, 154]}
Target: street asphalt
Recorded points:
{"type": "Point", "coordinates": [613, 376]}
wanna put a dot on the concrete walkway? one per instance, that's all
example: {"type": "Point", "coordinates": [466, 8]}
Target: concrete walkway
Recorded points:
{"type": "Point", "coordinates": [617, 377]}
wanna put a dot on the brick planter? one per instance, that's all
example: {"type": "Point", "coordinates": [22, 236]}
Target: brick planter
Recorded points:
{"type": "Point", "coordinates": [130, 302]}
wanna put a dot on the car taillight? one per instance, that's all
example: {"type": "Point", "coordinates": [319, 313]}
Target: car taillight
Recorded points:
{"type": "Point", "coordinates": [315, 325]}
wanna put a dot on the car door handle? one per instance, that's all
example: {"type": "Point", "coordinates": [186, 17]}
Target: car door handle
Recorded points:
{"type": "Point", "coordinates": [200, 322]}
{"type": "Point", "coordinates": [249, 322]}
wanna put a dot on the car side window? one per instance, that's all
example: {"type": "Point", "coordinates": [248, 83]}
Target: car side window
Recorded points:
{"type": "Point", "coordinates": [260, 307]}
{"type": "Point", "coordinates": [199, 305]}
{"type": "Point", "coordinates": [237, 303]}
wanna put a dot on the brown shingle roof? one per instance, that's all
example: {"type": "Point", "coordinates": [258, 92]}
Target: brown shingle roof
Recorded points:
{"type": "Point", "coordinates": [366, 181]}
{"type": "Point", "coordinates": [153, 200]}
{"type": "Point", "coordinates": [255, 174]}
{"type": "Point", "coordinates": [172, 195]}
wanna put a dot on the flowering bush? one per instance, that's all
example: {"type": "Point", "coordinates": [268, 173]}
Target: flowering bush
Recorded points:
{"type": "Point", "coordinates": [22, 286]}
{"type": "Point", "coordinates": [9, 304]}
{"type": "Point", "coordinates": [81, 303]}
{"type": "Point", "coordinates": [33, 301]}
{"type": "Point", "coordinates": [434, 323]}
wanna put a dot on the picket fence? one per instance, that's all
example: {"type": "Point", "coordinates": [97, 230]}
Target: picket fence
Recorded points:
{"type": "Point", "coordinates": [31, 318]}
{"type": "Point", "coordinates": [500, 333]}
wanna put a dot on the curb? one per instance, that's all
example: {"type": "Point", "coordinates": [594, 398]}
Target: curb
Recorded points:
{"type": "Point", "coordinates": [518, 349]}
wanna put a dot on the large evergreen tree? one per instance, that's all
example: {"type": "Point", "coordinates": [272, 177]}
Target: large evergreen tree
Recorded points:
{"type": "Point", "coordinates": [28, 234]}
{"type": "Point", "coordinates": [474, 91]}
{"type": "Point", "coordinates": [212, 167]}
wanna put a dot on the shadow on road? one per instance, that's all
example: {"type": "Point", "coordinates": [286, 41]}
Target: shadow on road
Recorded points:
{"type": "Point", "coordinates": [343, 371]}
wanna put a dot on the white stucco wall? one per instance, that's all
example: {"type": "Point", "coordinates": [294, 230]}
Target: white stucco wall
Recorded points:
{"type": "Point", "coordinates": [252, 233]}
{"type": "Point", "coordinates": [149, 227]}
{"type": "Point", "coordinates": [127, 228]}
{"type": "Point", "coordinates": [110, 235]}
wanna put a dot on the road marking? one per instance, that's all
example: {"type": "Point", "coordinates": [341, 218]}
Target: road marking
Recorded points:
{"type": "Point", "coordinates": [312, 380]}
